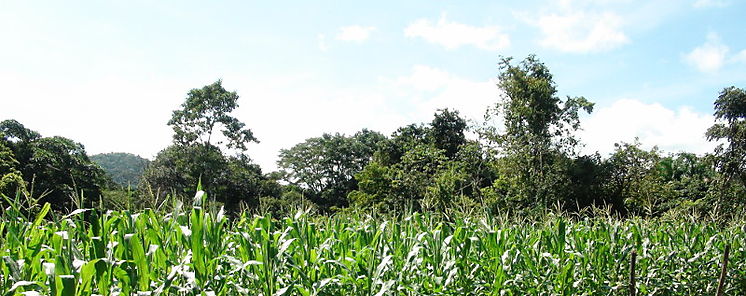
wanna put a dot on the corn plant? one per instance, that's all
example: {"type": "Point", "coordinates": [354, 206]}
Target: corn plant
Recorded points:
{"type": "Point", "coordinates": [197, 250]}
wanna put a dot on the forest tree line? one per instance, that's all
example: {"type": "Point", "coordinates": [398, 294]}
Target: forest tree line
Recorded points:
{"type": "Point", "coordinates": [527, 164]}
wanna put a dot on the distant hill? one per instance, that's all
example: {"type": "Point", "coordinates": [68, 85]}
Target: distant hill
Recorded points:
{"type": "Point", "coordinates": [124, 168]}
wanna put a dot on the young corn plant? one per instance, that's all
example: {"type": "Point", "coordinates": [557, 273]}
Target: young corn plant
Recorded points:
{"type": "Point", "coordinates": [197, 250]}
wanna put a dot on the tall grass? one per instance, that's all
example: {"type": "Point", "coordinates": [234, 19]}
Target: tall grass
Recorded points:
{"type": "Point", "coordinates": [195, 251]}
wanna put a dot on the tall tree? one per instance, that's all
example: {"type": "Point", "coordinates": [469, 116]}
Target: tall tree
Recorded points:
{"type": "Point", "coordinates": [196, 153]}
{"type": "Point", "coordinates": [206, 109]}
{"type": "Point", "coordinates": [730, 154]}
{"type": "Point", "coordinates": [730, 114]}
{"type": "Point", "coordinates": [538, 127]}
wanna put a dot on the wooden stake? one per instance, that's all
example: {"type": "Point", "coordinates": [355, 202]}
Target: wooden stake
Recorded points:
{"type": "Point", "coordinates": [723, 272]}
{"type": "Point", "coordinates": [632, 286]}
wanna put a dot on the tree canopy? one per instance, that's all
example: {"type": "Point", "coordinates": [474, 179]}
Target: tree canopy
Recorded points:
{"type": "Point", "coordinates": [206, 109]}
{"type": "Point", "coordinates": [730, 114]}
{"type": "Point", "coordinates": [58, 169]}
{"type": "Point", "coordinates": [326, 165]}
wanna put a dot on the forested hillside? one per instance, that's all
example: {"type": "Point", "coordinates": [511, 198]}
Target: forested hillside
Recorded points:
{"type": "Point", "coordinates": [124, 168]}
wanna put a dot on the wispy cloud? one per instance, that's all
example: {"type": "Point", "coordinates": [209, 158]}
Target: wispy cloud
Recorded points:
{"type": "Point", "coordinates": [453, 35]}
{"type": "Point", "coordinates": [433, 88]}
{"type": "Point", "coordinates": [710, 56]}
{"type": "Point", "coordinates": [355, 33]}
{"type": "Point", "coordinates": [581, 32]}
{"type": "Point", "coordinates": [595, 26]}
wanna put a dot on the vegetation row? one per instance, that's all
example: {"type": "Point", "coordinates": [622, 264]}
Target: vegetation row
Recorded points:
{"type": "Point", "coordinates": [198, 251]}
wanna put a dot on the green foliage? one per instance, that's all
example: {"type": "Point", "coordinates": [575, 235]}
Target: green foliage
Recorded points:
{"type": "Point", "coordinates": [178, 168]}
{"type": "Point", "coordinates": [198, 251]}
{"type": "Point", "coordinates": [234, 180]}
{"type": "Point", "coordinates": [403, 139]}
{"type": "Point", "coordinates": [730, 112]}
{"type": "Point", "coordinates": [481, 224]}
{"type": "Point", "coordinates": [730, 156]}
{"type": "Point", "coordinates": [633, 178]}
{"type": "Point", "coordinates": [243, 183]}
{"type": "Point", "coordinates": [447, 131]}
{"type": "Point", "coordinates": [204, 110]}
{"type": "Point", "coordinates": [290, 201]}
{"type": "Point", "coordinates": [691, 178]}
{"type": "Point", "coordinates": [125, 169]}
{"type": "Point", "coordinates": [537, 134]}
{"type": "Point", "coordinates": [647, 183]}
{"type": "Point", "coordinates": [416, 171]}
{"type": "Point", "coordinates": [10, 177]}
{"type": "Point", "coordinates": [445, 190]}
{"type": "Point", "coordinates": [588, 176]}
{"type": "Point", "coordinates": [16, 132]}
{"type": "Point", "coordinates": [425, 167]}
{"type": "Point", "coordinates": [61, 167]}
{"type": "Point", "coordinates": [534, 116]}
{"type": "Point", "coordinates": [376, 189]}
{"type": "Point", "coordinates": [527, 166]}
{"type": "Point", "coordinates": [326, 165]}
{"type": "Point", "coordinates": [56, 168]}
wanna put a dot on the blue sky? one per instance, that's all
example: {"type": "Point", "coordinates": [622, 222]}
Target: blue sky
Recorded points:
{"type": "Point", "coordinates": [109, 73]}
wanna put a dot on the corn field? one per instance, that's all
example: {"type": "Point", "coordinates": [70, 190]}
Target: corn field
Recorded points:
{"type": "Point", "coordinates": [196, 251]}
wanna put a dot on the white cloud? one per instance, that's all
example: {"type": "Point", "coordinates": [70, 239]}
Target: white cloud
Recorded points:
{"type": "Point", "coordinates": [710, 3]}
{"type": "Point", "coordinates": [581, 32]}
{"type": "Point", "coordinates": [434, 89]}
{"type": "Point", "coordinates": [452, 35]}
{"type": "Point", "coordinates": [710, 56]}
{"type": "Point", "coordinates": [671, 130]}
{"type": "Point", "coordinates": [355, 33]}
